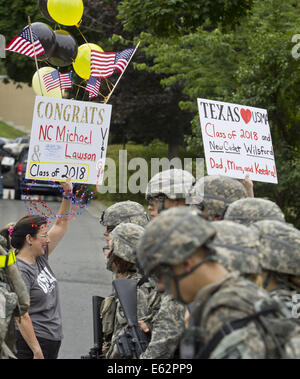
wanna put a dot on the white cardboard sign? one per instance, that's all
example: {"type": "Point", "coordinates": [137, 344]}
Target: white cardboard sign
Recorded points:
{"type": "Point", "coordinates": [237, 141]}
{"type": "Point", "coordinates": [68, 139]}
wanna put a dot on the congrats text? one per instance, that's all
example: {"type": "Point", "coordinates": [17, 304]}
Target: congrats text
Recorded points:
{"type": "Point", "coordinates": [68, 139]}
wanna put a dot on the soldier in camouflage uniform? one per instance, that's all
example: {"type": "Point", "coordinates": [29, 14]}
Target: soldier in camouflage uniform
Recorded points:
{"type": "Point", "coordinates": [122, 260]}
{"type": "Point", "coordinates": [280, 260]}
{"type": "Point", "coordinates": [213, 194]}
{"type": "Point", "coordinates": [124, 211]}
{"type": "Point", "coordinates": [14, 299]}
{"type": "Point", "coordinates": [176, 247]}
{"type": "Point", "coordinates": [169, 188]}
{"type": "Point", "coordinates": [247, 211]}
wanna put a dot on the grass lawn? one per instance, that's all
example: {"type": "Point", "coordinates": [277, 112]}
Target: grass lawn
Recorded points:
{"type": "Point", "coordinates": [7, 131]}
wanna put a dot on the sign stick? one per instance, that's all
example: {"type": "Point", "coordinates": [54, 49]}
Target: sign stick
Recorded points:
{"type": "Point", "coordinates": [35, 58]}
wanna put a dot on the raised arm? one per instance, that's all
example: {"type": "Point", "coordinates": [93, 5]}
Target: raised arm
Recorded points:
{"type": "Point", "coordinates": [60, 226]}
{"type": "Point", "coordinates": [248, 184]}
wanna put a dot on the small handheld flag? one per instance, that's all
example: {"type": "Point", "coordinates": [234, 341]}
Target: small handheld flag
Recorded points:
{"type": "Point", "coordinates": [51, 80]}
{"type": "Point", "coordinates": [93, 86]}
{"type": "Point", "coordinates": [22, 44]}
{"type": "Point", "coordinates": [66, 80]}
{"type": "Point", "coordinates": [104, 64]}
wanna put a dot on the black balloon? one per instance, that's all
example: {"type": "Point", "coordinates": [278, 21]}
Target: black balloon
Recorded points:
{"type": "Point", "coordinates": [44, 10]}
{"type": "Point", "coordinates": [65, 51]}
{"type": "Point", "coordinates": [46, 37]}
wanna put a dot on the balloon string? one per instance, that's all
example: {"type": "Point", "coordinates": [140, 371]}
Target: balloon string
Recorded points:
{"type": "Point", "coordinates": [81, 34]}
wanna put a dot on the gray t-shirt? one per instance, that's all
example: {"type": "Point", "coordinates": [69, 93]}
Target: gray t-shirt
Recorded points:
{"type": "Point", "coordinates": [44, 309]}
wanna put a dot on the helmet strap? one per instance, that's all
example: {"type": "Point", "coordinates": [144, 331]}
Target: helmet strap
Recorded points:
{"type": "Point", "coordinates": [267, 280]}
{"type": "Point", "coordinates": [177, 278]}
{"type": "Point", "coordinates": [161, 204]}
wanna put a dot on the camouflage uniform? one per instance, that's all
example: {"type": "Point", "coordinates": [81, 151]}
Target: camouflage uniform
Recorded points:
{"type": "Point", "coordinates": [124, 211]}
{"type": "Point", "coordinates": [247, 211]}
{"type": "Point", "coordinates": [148, 303]}
{"type": "Point", "coordinates": [124, 238]}
{"type": "Point", "coordinates": [280, 255]}
{"type": "Point", "coordinates": [174, 236]}
{"type": "Point", "coordinates": [14, 301]}
{"type": "Point", "coordinates": [214, 193]}
{"type": "Point", "coordinates": [231, 299]}
{"type": "Point", "coordinates": [168, 324]}
{"type": "Point", "coordinates": [167, 329]}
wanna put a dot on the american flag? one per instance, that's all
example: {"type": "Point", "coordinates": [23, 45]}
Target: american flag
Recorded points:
{"type": "Point", "coordinates": [103, 64]}
{"type": "Point", "coordinates": [22, 44]}
{"type": "Point", "coordinates": [51, 80]}
{"type": "Point", "coordinates": [66, 80]}
{"type": "Point", "coordinates": [93, 86]}
{"type": "Point", "coordinates": [122, 58]}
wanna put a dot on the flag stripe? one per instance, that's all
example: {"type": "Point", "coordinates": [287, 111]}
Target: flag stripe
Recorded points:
{"type": "Point", "coordinates": [101, 64]}
{"type": "Point", "coordinates": [66, 80]}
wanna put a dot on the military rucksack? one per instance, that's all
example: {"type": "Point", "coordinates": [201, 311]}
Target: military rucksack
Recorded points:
{"type": "Point", "coordinates": [8, 307]}
{"type": "Point", "coordinates": [281, 336]}
{"type": "Point", "coordinates": [14, 300]}
{"type": "Point", "coordinates": [8, 304]}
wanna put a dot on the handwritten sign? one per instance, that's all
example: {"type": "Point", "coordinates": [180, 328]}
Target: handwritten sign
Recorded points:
{"type": "Point", "coordinates": [237, 141]}
{"type": "Point", "coordinates": [68, 139]}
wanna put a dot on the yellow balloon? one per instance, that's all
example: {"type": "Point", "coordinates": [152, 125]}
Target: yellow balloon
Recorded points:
{"type": "Point", "coordinates": [40, 89]}
{"type": "Point", "coordinates": [82, 63]}
{"type": "Point", "coordinates": [66, 12]}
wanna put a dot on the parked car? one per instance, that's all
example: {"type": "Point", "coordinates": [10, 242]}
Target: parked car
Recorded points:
{"type": "Point", "coordinates": [1, 184]}
{"type": "Point", "coordinates": [8, 171]}
{"type": "Point", "coordinates": [31, 187]}
{"type": "Point", "coordinates": [4, 141]}
{"type": "Point", "coordinates": [15, 148]}
{"type": "Point", "coordinates": [7, 165]}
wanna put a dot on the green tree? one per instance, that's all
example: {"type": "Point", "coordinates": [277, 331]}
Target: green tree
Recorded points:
{"type": "Point", "coordinates": [250, 65]}
{"type": "Point", "coordinates": [170, 17]}
{"type": "Point", "coordinates": [143, 110]}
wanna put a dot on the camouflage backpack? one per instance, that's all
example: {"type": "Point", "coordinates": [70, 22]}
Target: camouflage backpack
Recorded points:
{"type": "Point", "coordinates": [280, 336]}
{"type": "Point", "coordinates": [8, 306]}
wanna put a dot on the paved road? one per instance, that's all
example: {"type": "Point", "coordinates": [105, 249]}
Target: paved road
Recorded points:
{"type": "Point", "coordinates": [79, 267]}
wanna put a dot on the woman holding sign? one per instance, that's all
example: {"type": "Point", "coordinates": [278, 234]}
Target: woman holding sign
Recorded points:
{"type": "Point", "coordinates": [39, 332]}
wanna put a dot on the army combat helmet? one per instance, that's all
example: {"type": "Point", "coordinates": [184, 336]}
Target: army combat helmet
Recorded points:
{"type": "Point", "coordinates": [280, 247]}
{"type": "Point", "coordinates": [173, 236]}
{"type": "Point", "coordinates": [237, 247]}
{"type": "Point", "coordinates": [247, 211]}
{"type": "Point", "coordinates": [173, 184]}
{"type": "Point", "coordinates": [124, 240]}
{"type": "Point", "coordinates": [214, 193]}
{"type": "Point", "coordinates": [169, 239]}
{"type": "Point", "coordinates": [124, 211]}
